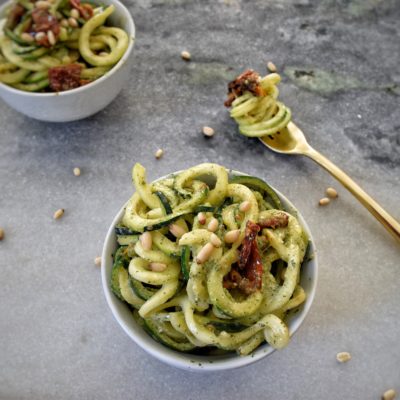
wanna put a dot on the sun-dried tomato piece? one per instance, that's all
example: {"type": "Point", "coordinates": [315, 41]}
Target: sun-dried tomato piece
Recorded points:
{"type": "Point", "coordinates": [280, 220]}
{"type": "Point", "coordinates": [65, 77]}
{"type": "Point", "coordinates": [247, 275]}
{"type": "Point", "coordinates": [250, 237]}
{"type": "Point", "coordinates": [85, 10]}
{"type": "Point", "coordinates": [43, 21]}
{"type": "Point", "coordinates": [248, 81]}
{"type": "Point", "coordinates": [254, 270]}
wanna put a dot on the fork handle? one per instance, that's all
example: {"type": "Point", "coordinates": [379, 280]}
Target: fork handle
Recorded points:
{"type": "Point", "coordinates": [370, 204]}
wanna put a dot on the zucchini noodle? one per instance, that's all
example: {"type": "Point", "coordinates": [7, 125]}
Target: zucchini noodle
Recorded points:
{"type": "Point", "coordinates": [58, 48]}
{"type": "Point", "coordinates": [254, 104]}
{"type": "Point", "coordinates": [190, 287]}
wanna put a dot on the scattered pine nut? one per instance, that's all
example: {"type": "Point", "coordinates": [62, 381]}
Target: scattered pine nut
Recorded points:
{"type": "Point", "coordinates": [245, 206]}
{"type": "Point", "coordinates": [51, 38]}
{"type": "Point", "coordinates": [64, 23]}
{"type": "Point", "coordinates": [389, 395]}
{"type": "Point", "coordinates": [215, 240]}
{"type": "Point", "coordinates": [42, 4]}
{"type": "Point", "coordinates": [331, 192]}
{"type": "Point", "coordinates": [271, 66]}
{"type": "Point", "coordinates": [202, 218]}
{"type": "Point", "coordinates": [343, 357]}
{"type": "Point", "coordinates": [213, 225]}
{"type": "Point", "coordinates": [186, 55]}
{"type": "Point", "coordinates": [205, 253]}
{"type": "Point", "coordinates": [207, 131]}
{"type": "Point", "coordinates": [176, 230]}
{"type": "Point", "coordinates": [75, 13]}
{"type": "Point", "coordinates": [40, 36]}
{"type": "Point", "coordinates": [324, 201]}
{"type": "Point", "coordinates": [72, 22]}
{"type": "Point", "coordinates": [146, 241]}
{"type": "Point", "coordinates": [232, 236]}
{"type": "Point", "coordinates": [59, 213]}
{"type": "Point", "coordinates": [158, 154]}
{"type": "Point", "coordinates": [77, 171]}
{"type": "Point", "coordinates": [1, 234]}
{"type": "Point", "coordinates": [27, 37]}
{"type": "Point", "coordinates": [157, 267]}
{"type": "Point", "coordinates": [97, 261]}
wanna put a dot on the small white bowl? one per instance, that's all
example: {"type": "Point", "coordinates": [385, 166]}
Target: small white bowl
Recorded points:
{"type": "Point", "coordinates": [123, 314]}
{"type": "Point", "coordinates": [75, 104]}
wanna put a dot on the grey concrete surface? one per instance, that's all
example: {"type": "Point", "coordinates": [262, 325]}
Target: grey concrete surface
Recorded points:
{"type": "Point", "coordinates": [340, 65]}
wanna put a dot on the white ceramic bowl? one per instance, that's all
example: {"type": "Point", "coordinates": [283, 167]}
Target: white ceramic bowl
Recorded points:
{"type": "Point", "coordinates": [84, 101]}
{"type": "Point", "coordinates": [195, 362]}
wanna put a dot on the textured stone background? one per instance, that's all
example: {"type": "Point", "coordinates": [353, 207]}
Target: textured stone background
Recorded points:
{"type": "Point", "coordinates": [340, 65]}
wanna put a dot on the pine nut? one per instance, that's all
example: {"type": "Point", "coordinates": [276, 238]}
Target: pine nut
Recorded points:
{"type": "Point", "coordinates": [157, 267]}
{"type": "Point", "coordinates": [232, 236]}
{"type": "Point", "coordinates": [40, 36]}
{"type": "Point", "coordinates": [64, 23]}
{"type": "Point", "coordinates": [146, 241]}
{"type": "Point", "coordinates": [27, 37]}
{"type": "Point", "coordinates": [75, 13]}
{"type": "Point", "coordinates": [77, 171]}
{"type": "Point", "coordinates": [207, 131]}
{"type": "Point", "coordinates": [245, 206]}
{"type": "Point", "coordinates": [97, 261]}
{"type": "Point", "coordinates": [344, 356]}
{"type": "Point", "coordinates": [72, 22]}
{"type": "Point", "coordinates": [389, 395]}
{"type": "Point", "coordinates": [202, 218]}
{"type": "Point", "coordinates": [271, 66]}
{"type": "Point", "coordinates": [59, 213]}
{"type": "Point", "coordinates": [103, 54]}
{"type": "Point", "coordinates": [331, 192]}
{"type": "Point", "coordinates": [176, 230]}
{"type": "Point", "coordinates": [158, 154]}
{"type": "Point", "coordinates": [204, 253]}
{"type": "Point", "coordinates": [51, 37]}
{"type": "Point", "coordinates": [42, 4]}
{"type": "Point", "coordinates": [215, 240]}
{"type": "Point", "coordinates": [1, 234]}
{"type": "Point", "coordinates": [213, 225]}
{"type": "Point", "coordinates": [324, 201]}
{"type": "Point", "coordinates": [186, 55]}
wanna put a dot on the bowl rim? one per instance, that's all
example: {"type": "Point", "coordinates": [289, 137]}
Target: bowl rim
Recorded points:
{"type": "Point", "coordinates": [117, 66]}
{"type": "Point", "coordinates": [196, 363]}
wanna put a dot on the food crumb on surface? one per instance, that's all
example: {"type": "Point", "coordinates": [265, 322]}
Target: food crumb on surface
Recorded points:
{"type": "Point", "coordinates": [324, 201]}
{"type": "Point", "coordinates": [77, 171]}
{"type": "Point", "coordinates": [343, 356]}
{"type": "Point", "coordinates": [207, 131]}
{"type": "Point", "coordinates": [159, 153]}
{"type": "Point", "coordinates": [359, 116]}
{"type": "Point", "coordinates": [271, 66]}
{"type": "Point", "coordinates": [97, 261]}
{"type": "Point", "coordinates": [331, 192]}
{"type": "Point", "coordinates": [389, 395]}
{"type": "Point", "coordinates": [186, 55]}
{"type": "Point", "coordinates": [59, 213]}
{"type": "Point", "coordinates": [1, 234]}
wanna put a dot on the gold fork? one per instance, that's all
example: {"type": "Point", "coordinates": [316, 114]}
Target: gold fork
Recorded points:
{"type": "Point", "coordinates": [291, 140]}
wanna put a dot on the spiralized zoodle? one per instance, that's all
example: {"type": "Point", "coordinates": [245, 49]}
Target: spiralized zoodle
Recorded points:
{"type": "Point", "coordinates": [57, 45]}
{"type": "Point", "coordinates": [196, 283]}
{"type": "Point", "coordinates": [255, 106]}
